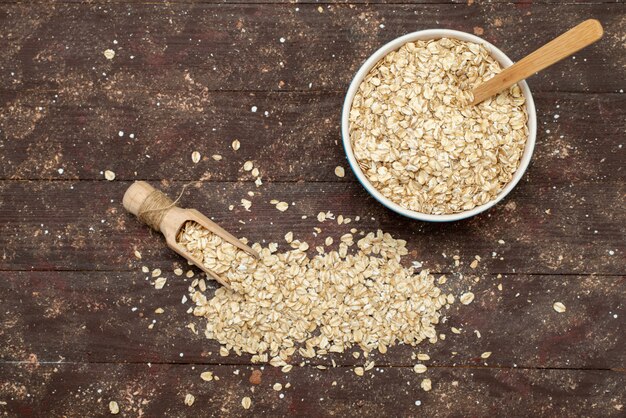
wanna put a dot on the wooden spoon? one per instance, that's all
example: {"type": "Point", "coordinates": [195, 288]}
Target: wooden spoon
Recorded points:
{"type": "Point", "coordinates": [141, 197]}
{"type": "Point", "coordinates": [565, 45]}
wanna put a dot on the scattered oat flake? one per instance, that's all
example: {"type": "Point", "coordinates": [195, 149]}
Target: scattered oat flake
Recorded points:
{"type": "Point", "coordinates": [246, 402]}
{"type": "Point", "coordinates": [419, 368]}
{"type": "Point", "coordinates": [282, 206]}
{"type": "Point", "coordinates": [289, 237]}
{"type": "Point", "coordinates": [426, 385]}
{"type": "Point", "coordinates": [206, 376]}
{"type": "Point", "coordinates": [277, 387]}
{"type": "Point", "coordinates": [178, 271]}
{"type": "Point", "coordinates": [246, 204]}
{"type": "Point", "coordinates": [248, 165]}
{"type": "Point", "coordinates": [236, 145]}
{"type": "Point", "coordinates": [189, 399]}
{"type": "Point", "coordinates": [485, 355]}
{"type": "Point", "coordinates": [145, 269]}
{"type": "Point", "coordinates": [467, 298]}
{"type": "Point", "coordinates": [159, 310]}
{"type": "Point", "coordinates": [559, 307]}
{"type": "Point", "coordinates": [359, 371]}
{"type": "Point", "coordinates": [137, 255]}
{"type": "Point", "coordinates": [114, 408]}
{"type": "Point", "coordinates": [339, 171]}
{"type": "Point", "coordinates": [109, 175]}
{"type": "Point", "coordinates": [216, 157]}
{"type": "Point", "coordinates": [159, 283]}
{"type": "Point", "coordinates": [423, 357]}
{"type": "Point", "coordinates": [474, 264]}
{"type": "Point", "coordinates": [109, 54]}
{"type": "Point", "coordinates": [195, 157]}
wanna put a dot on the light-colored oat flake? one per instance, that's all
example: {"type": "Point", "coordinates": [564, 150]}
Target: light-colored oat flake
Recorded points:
{"type": "Point", "coordinates": [246, 402]}
{"type": "Point", "coordinates": [467, 298]}
{"type": "Point", "coordinates": [109, 175]}
{"type": "Point", "coordinates": [282, 206]}
{"type": "Point", "coordinates": [114, 408]}
{"type": "Point", "coordinates": [419, 368]}
{"type": "Point", "coordinates": [420, 142]}
{"type": "Point", "coordinates": [559, 307]}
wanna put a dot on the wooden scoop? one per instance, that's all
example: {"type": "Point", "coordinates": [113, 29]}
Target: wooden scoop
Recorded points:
{"type": "Point", "coordinates": [159, 212]}
{"type": "Point", "coordinates": [565, 45]}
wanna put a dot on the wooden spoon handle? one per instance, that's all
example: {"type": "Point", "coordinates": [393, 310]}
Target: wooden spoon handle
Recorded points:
{"type": "Point", "coordinates": [565, 45]}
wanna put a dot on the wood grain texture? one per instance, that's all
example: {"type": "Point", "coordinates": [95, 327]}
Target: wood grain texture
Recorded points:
{"type": "Point", "coordinates": [104, 317]}
{"type": "Point", "coordinates": [86, 389]}
{"type": "Point", "coordinates": [238, 47]}
{"type": "Point", "coordinates": [580, 136]}
{"type": "Point", "coordinates": [545, 228]}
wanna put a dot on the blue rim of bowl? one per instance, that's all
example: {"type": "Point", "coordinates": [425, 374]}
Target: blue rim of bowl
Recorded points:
{"type": "Point", "coordinates": [393, 45]}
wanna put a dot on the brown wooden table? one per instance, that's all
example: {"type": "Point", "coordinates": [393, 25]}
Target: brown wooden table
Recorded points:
{"type": "Point", "coordinates": [75, 307]}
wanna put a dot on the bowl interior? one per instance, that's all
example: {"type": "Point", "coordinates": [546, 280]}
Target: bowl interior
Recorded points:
{"type": "Point", "coordinates": [392, 46]}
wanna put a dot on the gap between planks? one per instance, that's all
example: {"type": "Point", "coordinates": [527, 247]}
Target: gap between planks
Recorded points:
{"type": "Point", "coordinates": [306, 366]}
{"type": "Point", "coordinates": [582, 275]}
{"type": "Point", "coordinates": [296, 3]}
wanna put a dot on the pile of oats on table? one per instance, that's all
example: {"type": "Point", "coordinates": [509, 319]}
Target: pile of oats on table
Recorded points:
{"type": "Point", "coordinates": [419, 141]}
{"type": "Point", "coordinates": [288, 301]}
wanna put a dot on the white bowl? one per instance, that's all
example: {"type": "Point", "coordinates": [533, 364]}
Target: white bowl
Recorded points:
{"type": "Point", "coordinates": [394, 45]}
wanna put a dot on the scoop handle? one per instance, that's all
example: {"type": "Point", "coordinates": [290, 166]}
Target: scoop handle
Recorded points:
{"type": "Point", "coordinates": [150, 206]}
{"type": "Point", "coordinates": [136, 195]}
{"type": "Point", "coordinates": [565, 45]}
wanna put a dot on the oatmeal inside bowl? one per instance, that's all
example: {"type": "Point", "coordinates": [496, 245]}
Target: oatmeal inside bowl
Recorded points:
{"type": "Point", "coordinates": [417, 144]}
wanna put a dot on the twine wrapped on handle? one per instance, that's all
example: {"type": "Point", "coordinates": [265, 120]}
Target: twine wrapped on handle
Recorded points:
{"type": "Point", "coordinates": [155, 206]}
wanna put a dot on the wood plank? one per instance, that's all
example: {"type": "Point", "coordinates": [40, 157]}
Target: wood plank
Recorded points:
{"type": "Point", "coordinates": [237, 47]}
{"type": "Point", "coordinates": [546, 228]}
{"type": "Point", "coordinates": [159, 390]}
{"type": "Point", "coordinates": [104, 317]}
{"type": "Point", "coordinates": [580, 136]}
